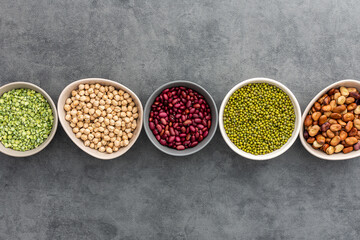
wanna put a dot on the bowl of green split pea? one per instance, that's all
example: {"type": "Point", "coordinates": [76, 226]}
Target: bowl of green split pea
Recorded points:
{"type": "Point", "coordinates": [259, 118]}
{"type": "Point", "coordinates": [28, 119]}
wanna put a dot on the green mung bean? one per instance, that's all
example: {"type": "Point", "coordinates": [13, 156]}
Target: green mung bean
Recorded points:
{"type": "Point", "coordinates": [259, 118]}
{"type": "Point", "coordinates": [26, 119]}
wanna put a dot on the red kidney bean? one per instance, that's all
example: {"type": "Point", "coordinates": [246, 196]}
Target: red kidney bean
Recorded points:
{"type": "Point", "coordinates": [180, 147]}
{"type": "Point", "coordinates": [162, 114]}
{"type": "Point", "coordinates": [187, 122]}
{"type": "Point", "coordinates": [180, 118]}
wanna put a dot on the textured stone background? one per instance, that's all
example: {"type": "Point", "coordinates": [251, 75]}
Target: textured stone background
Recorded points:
{"type": "Point", "coordinates": [62, 193]}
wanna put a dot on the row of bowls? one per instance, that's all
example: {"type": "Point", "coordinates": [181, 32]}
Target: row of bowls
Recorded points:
{"type": "Point", "coordinates": [59, 113]}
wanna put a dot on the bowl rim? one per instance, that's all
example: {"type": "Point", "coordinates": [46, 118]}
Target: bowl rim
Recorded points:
{"type": "Point", "coordinates": [195, 149]}
{"type": "Point", "coordinates": [291, 140]}
{"type": "Point", "coordinates": [65, 125]}
{"type": "Point", "coordinates": [315, 152]}
{"type": "Point", "coordinates": [20, 154]}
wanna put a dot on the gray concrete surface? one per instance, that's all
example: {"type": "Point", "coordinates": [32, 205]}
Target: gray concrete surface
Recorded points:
{"type": "Point", "coordinates": [62, 193]}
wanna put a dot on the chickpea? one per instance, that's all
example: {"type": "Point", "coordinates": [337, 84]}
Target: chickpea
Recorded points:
{"type": "Point", "coordinates": [106, 138]}
{"type": "Point", "coordinates": [92, 145]}
{"type": "Point", "coordinates": [73, 112]}
{"type": "Point", "coordinates": [102, 149]}
{"type": "Point", "coordinates": [109, 150]}
{"type": "Point", "coordinates": [68, 101]}
{"type": "Point", "coordinates": [87, 143]}
{"type": "Point", "coordinates": [78, 135]}
{"type": "Point", "coordinates": [126, 142]}
{"type": "Point", "coordinates": [68, 117]}
{"type": "Point", "coordinates": [98, 135]}
{"type": "Point", "coordinates": [67, 108]}
{"type": "Point", "coordinates": [90, 137]}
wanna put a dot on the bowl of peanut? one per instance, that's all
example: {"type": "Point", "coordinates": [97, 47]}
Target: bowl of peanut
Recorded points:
{"type": "Point", "coordinates": [331, 122]}
{"type": "Point", "coordinates": [102, 117]}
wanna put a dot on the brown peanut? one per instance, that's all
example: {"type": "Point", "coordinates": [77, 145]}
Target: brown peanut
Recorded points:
{"type": "Point", "coordinates": [335, 115]}
{"type": "Point", "coordinates": [316, 115]}
{"type": "Point", "coordinates": [351, 89]}
{"type": "Point", "coordinates": [351, 106]}
{"type": "Point", "coordinates": [339, 109]}
{"type": "Point", "coordinates": [353, 132]}
{"type": "Point", "coordinates": [326, 108]}
{"type": "Point", "coordinates": [344, 91]}
{"type": "Point", "coordinates": [327, 114]}
{"type": "Point", "coordinates": [316, 145]}
{"type": "Point", "coordinates": [313, 130]}
{"type": "Point", "coordinates": [308, 121]}
{"type": "Point", "coordinates": [337, 95]}
{"type": "Point", "coordinates": [310, 140]}
{"type": "Point", "coordinates": [348, 117]}
{"type": "Point", "coordinates": [343, 135]}
{"type": "Point", "coordinates": [335, 141]}
{"type": "Point", "coordinates": [339, 148]}
{"type": "Point", "coordinates": [349, 100]}
{"type": "Point", "coordinates": [320, 139]}
{"type": "Point", "coordinates": [335, 127]}
{"type": "Point", "coordinates": [330, 150]}
{"type": "Point", "coordinates": [341, 100]}
{"type": "Point", "coordinates": [325, 146]}
{"type": "Point", "coordinates": [349, 126]}
{"type": "Point", "coordinates": [348, 149]}
{"type": "Point", "coordinates": [317, 106]}
{"type": "Point", "coordinates": [325, 127]}
{"type": "Point", "coordinates": [333, 104]}
{"type": "Point", "coordinates": [341, 122]}
{"type": "Point", "coordinates": [357, 110]}
{"type": "Point", "coordinates": [322, 119]}
{"type": "Point", "coordinates": [332, 121]}
{"type": "Point", "coordinates": [357, 123]}
{"type": "Point", "coordinates": [351, 140]}
{"type": "Point", "coordinates": [330, 134]}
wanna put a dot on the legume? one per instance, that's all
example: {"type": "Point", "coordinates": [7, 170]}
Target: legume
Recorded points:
{"type": "Point", "coordinates": [26, 119]}
{"type": "Point", "coordinates": [259, 118]}
{"type": "Point", "coordinates": [180, 118]}
{"type": "Point", "coordinates": [333, 123]}
{"type": "Point", "coordinates": [103, 117]}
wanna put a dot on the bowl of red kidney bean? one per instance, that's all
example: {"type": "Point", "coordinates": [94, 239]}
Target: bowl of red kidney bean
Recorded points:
{"type": "Point", "coordinates": [180, 118]}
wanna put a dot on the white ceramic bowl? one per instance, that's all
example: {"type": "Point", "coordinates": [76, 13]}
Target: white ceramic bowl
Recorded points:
{"type": "Point", "coordinates": [15, 85]}
{"type": "Point", "coordinates": [291, 140]}
{"type": "Point", "coordinates": [307, 146]}
{"type": "Point", "coordinates": [65, 124]}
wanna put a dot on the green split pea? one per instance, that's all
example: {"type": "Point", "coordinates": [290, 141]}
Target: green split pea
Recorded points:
{"type": "Point", "coordinates": [26, 119]}
{"type": "Point", "coordinates": [259, 118]}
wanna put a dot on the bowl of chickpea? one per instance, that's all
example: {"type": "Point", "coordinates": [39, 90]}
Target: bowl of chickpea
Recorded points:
{"type": "Point", "coordinates": [102, 117]}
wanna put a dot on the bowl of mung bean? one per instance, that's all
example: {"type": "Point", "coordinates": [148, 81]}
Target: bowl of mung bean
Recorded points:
{"type": "Point", "coordinates": [28, 119]}
{"type": "Point", "coordinates": [259, 118]}
{"type": "Point", "coordinates": [102, 117]}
